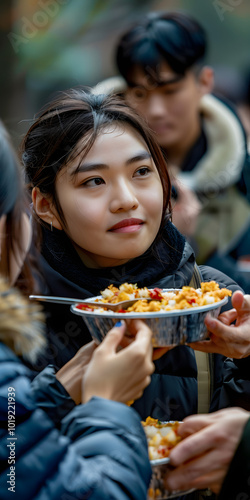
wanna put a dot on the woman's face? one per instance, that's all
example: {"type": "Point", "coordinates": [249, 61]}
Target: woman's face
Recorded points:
{"type": "Point", "coordinates": [21, 247]}
{"type": "Point", "coordinates": [113, 205]}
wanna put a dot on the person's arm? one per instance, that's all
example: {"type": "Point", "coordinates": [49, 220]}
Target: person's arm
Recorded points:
{"type": "Point", "coordinates": [203, 458]}
{"type": "Point", "coordinates": [101, 451]}
{"type": "Point", "coordinates": [109, 459]}
{"type": "Point", "coordinates": [111, 434]}
{"type": "Point", "coordinates": [230, 340]}
{"type": "Point", "coordinates": [57, 392]}
{"type": "Point", "coordinates": [50, 395]}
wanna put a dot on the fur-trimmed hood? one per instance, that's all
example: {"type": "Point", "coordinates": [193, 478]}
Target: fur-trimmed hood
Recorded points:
{"type": "Point", "coordinates": [21, 323]}
{"type": "Point", "coordinates": [222, 164]}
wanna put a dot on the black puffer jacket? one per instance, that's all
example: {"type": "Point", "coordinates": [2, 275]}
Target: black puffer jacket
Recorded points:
{"type": "Point", "coordinates": [169, 263]}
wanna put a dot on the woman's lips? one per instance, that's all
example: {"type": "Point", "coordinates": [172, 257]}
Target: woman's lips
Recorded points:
{"type": "Point", "coordinates": [127, 226]}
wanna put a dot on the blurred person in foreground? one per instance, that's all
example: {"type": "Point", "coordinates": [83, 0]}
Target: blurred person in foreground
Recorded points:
{"type": "Point", "coordinates": [52, 446]}
{"type": "Point", "coordinates": [165, 80]}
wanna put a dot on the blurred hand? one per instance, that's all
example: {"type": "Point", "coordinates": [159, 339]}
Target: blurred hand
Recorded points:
{"type": "Point", "coordinates": [120, 375]}
{"type": "Point", "coordinates": [203, 458]}
{"type": "Point", "coordinates": [71, 374]}
{"type": "Point", "coordinates": [185, 210]}
{"type": "Point", "coordinates": [226, 338]}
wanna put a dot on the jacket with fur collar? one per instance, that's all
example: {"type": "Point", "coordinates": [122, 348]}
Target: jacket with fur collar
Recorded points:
{"type": "Point", "coordinates": [225, 214]}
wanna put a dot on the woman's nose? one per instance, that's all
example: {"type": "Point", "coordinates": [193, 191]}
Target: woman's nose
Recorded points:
{"type": "Point", "coordinates": [124, 198]}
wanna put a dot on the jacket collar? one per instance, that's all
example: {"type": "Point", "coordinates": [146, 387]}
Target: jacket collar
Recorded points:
{"type": "Point", "coordinates": [222, 163]}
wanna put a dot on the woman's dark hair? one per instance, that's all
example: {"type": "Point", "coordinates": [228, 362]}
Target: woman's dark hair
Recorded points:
{"type": "Point", "coordinates": [171, 37]}
{"type": "Point", "coordinates": [53, 140]}
{"type": "Point", "coordinates": [13, 204]}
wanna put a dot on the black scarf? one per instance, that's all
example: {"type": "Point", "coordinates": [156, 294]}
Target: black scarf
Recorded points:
{"type": "Point", "coordinates": [163, 258]}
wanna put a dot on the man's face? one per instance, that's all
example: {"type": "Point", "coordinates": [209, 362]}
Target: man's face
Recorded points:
{"type": "Point", "coordinates": [169, 105]}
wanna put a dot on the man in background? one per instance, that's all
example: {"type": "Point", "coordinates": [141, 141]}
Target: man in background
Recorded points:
{"type": "Point", "coordinates": [161, 60]}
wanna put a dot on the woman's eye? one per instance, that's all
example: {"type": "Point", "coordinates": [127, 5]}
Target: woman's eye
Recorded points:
{"type": "Point", "coordinates": [96, 181]}
{"type": "Point", "coordinates": [142, 171]}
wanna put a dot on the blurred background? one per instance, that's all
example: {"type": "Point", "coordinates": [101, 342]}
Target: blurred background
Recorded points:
{"type": "Point", "coordinates": [50, 45]}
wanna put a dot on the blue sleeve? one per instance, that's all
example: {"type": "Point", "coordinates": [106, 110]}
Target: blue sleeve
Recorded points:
{"type": "Point", "coordinates": [101, 452]}
{"type": "Point", "coordinates": [50, 395]}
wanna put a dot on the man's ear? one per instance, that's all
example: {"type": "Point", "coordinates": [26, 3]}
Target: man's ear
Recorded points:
{"type": "Point", "coordinates": [45, 209]}
{"type": "Point", "coordinates": [206, 80]}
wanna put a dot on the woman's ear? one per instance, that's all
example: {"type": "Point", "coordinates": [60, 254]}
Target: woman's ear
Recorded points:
{"type": "Point", "coordinates": [206, 80]}
{"type": "Point", "coordinates": [45, 209]}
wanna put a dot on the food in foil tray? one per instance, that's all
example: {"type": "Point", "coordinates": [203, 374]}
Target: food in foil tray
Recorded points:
{"type": "Point", "coordinates": [161, 437]}
{"type": "Point", "coordinates": [160, 300]}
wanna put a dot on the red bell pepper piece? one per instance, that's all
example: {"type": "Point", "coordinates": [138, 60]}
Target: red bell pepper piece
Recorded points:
{"type": "Point", "coordinates": [156, 293]}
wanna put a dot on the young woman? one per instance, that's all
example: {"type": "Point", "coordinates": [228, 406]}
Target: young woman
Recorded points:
{"type": "Point", "coordinates": [101, 191]}
{"type": "Point", "coordinates": [50, 448]}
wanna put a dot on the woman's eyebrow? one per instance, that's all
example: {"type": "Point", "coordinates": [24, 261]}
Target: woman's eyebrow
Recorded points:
{"type": "Point", "coordinates": [139, 157]}
{"type": "Point", "coordinates": [86, 167]}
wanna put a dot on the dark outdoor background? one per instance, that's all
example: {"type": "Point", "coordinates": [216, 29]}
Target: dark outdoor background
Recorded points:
{"type": "Point", "coordinates": [49, 45]}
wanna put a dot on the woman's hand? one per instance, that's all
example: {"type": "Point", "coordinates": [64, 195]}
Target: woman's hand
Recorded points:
{"type": "Point", "coordinates": [226, 338]}
{"type": "Point", "coordinates": [71, 374]}
{"type": "Point", "coordinates": [203, 458]}
{"type": "Point", "coordinates": [129, 337]}
{"type": "Point", "coordinates": [120, 375]}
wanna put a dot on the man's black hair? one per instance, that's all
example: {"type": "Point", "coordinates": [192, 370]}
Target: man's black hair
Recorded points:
{"type": "Point", "coordinates": [171, 37]}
